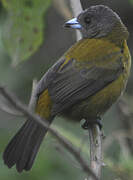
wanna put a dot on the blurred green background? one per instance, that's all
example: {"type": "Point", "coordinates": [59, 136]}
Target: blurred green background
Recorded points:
{"type": "Point", "coordinates": [32, 38]}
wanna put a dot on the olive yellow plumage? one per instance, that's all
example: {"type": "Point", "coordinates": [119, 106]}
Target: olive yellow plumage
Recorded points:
{"type": "Point", "coordinates": [99, 51]}
{"type": "Point", "coordinates": [83, 84]}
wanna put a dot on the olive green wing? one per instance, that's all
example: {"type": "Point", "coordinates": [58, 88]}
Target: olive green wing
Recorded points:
{"type": "Point", "coordinates": [71, 84]}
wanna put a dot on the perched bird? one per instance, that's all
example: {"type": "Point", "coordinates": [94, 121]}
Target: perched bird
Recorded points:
{"type": "Point", "coordinates": [82, 84]}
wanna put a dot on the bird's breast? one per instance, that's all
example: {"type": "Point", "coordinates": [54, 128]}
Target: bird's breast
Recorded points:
{"type": "Point", "coordinates": [99, 103]}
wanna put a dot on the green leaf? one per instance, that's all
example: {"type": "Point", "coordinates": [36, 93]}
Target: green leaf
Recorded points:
{"type": "Point", "coordinates": [131, 1]}
{"type": "Point", "coordinates": [23, 29]}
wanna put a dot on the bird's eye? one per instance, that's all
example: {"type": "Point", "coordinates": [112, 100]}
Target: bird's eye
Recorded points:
{"type": "Point", "coordinates": [87, 20]}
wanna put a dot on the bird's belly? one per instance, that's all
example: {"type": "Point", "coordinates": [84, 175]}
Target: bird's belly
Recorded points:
{"type": "Point", "coordinates": [99, 103]}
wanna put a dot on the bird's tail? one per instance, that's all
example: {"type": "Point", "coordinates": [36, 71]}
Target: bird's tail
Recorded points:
{"type": "Point", "coordinates": [23, 147]}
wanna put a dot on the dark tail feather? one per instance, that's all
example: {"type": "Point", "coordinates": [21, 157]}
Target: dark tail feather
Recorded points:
{"type": "Point", "coordinates": [23, 147]}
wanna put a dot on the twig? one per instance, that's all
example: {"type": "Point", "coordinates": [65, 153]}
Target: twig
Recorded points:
{"type": "Point", "coordinates": [30, 115]}
{"type": "Point", "coordinates": [76, 9]}
{"type": "Point", "coordinates": [33, 99]}
{"type": "Point", "coordinates": [94, 132]}
{"type": "Point", "coordinates": [63, 10]}
{"type": "Point", "coordinates": [8, 109]}
{"type": "Point", "coordinates": [95, 150]}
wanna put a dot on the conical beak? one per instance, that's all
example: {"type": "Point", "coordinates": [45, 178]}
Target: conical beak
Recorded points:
{"type": "Point", "coordinates": [73, 23]}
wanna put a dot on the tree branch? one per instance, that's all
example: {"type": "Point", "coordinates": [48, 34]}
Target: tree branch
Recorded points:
{"type": "Point", "coordinates": [95, 150]}
{"type": "Point", "coordinates": [76, 9]}
{"type": "Point", "coordinates": [64, 10]}
{"type": "Point", "coordinates": [30, 115]}
{"type": "Point", "coordinates": [8, 109]}
{"type": "Point", "coordinates": [33, 98]}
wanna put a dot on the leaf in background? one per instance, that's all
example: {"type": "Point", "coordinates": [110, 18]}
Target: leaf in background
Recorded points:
{"type": "Point", "coordinates": [23, 29]}
{"type": "Point", "coordinates": [131, 1]}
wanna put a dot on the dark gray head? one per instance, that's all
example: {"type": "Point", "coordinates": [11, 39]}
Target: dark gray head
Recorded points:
{"type": "Point", "coordinates": [96, 21]}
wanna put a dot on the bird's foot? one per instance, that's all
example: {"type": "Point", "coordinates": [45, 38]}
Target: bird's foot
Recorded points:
{"type": "Point", "coordinates": [87, 124]}
{"type": "Point", "coordinates": [99, 123]}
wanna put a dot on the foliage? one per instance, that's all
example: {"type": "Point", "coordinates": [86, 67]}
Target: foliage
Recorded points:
{"type": "Point", "coordinates": [131, 1]}
{"type": "Point", "coordinates": [23, 29]}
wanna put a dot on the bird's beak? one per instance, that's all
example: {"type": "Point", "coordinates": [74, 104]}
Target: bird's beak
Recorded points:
{"type": "Point", "coordinates": [73, 23]}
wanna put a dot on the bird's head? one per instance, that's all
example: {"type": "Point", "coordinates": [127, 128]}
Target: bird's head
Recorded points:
{"type": "Point", "coordinates": [96, 21]}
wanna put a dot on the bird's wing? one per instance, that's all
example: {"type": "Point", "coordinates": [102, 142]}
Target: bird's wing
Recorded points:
{"type": "Point", "coordinates": [72, 83]}
{"type": "Point", "coordinates": [48, 77]}
{"type": "Point", "coordinates": [69, 82]}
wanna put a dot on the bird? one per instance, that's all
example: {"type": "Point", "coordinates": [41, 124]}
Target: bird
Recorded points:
{"type": "Point", "coordinates": [83, 84]}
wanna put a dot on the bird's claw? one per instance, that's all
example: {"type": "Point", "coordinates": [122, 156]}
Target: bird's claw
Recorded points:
{"type": "Point", "coordinates": [87, 124]}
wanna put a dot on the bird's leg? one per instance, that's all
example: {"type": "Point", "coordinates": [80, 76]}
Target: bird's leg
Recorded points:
{"type": "Point", "coordinates": [99, 122]}
{"type": "Point", "coordinates": [87, 124]}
